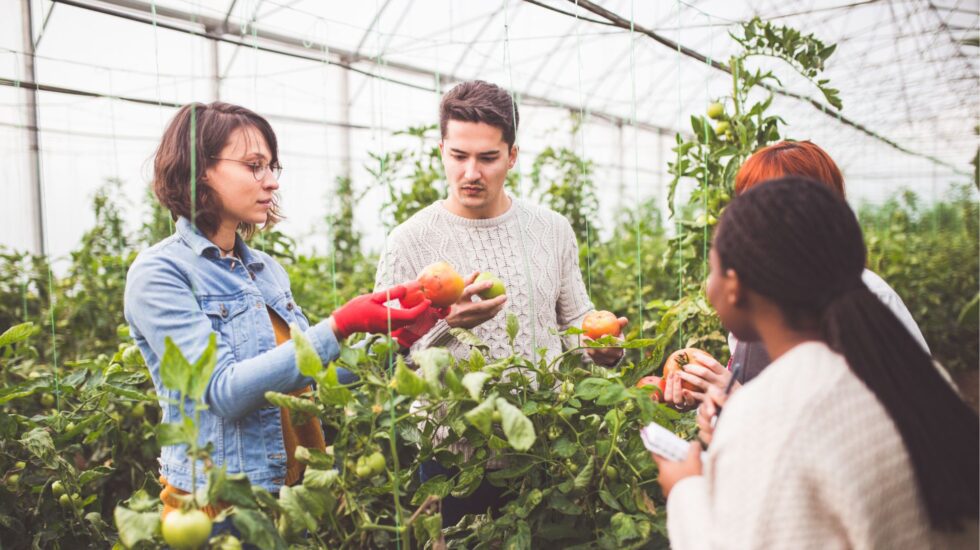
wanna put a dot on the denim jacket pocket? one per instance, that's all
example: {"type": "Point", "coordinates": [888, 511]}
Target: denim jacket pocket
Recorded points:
{"type": "Point", "coordinates": [230, 318]}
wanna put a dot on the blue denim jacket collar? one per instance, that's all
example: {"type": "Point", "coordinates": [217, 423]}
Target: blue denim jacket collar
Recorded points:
{"type": "Point", "coordinates": [200, 244]}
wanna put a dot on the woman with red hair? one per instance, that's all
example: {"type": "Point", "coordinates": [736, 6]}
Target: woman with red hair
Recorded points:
{"type": "Point", "coordinates": [786, 158]}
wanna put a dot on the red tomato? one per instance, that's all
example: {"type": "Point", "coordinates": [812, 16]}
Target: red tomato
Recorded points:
{"type": "Point", "coordinates": [441, 284]}
{"type": "Point", "coordinates": [676, 362]}
{"type": "Point", "coordinates": [600, 323]}
{"type": "Point", "coordinates": [655, 384]}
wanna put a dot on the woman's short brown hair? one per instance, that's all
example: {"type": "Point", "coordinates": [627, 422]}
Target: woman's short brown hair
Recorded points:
{"type": "Point", "coordinates": [212, 125]}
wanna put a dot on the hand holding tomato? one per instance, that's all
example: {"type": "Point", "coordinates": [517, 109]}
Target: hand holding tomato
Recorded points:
{"type": "Point", "coordinates": [689, 373]}
{"type": "Point", "coordinates": [597, 324]}
{"type": "Point", "coordinates": [467, 313]}
{"type": "Point", "coordinates": [672, 472]}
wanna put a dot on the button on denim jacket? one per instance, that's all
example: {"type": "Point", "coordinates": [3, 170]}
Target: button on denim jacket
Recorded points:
{"type": "Point", "coordinates": [182, 288]}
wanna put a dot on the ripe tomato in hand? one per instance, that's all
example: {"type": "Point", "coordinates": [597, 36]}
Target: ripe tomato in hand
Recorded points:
{"type": "Point", "coordinates": [676, 362]}
{"type": "Point", "coordinates": [441, 284]}
{"type": "Point", "coordinates": [600, 323]}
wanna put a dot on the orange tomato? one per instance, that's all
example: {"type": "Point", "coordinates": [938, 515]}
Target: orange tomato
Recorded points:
{"type": "Point", "coordinates": [441, 284]}
{"type": "Point", "coordinates": [656, 382]}
{"type": "Point", "coordinates": [676, 362]}
{"type": "Point", "coordinates": [600, 323]}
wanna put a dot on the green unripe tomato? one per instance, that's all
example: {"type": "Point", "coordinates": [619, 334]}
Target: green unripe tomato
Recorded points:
{"type": "Point", "coordinates": [20, 465]}
{"type": "Point", "coordinates": [186, 530]}
{"type": "Point", "coordinates": [716, 111]}
{"type": "Point", "coordinates": [554, 433]}
{"type": "Point", "coordinates": [65, 501]}
{"type": "Point", "coordinates": [12, 479]}
{"type": "Point", "coordinates": [722, 128]}
{"type": "Point", "coordinates": [76, 499]}
{"type": "Point", "coordinates": [69, 426]}
{"type": "Point", "coordinates": [497, 288]}
{"type": "Point", "coordinates": [363, 470]}
{"type": "Point", "coordinates": [57, 489]}
{"type": "Point", "coordinates": [496, 417]}
{"type": "Point", "coordinates": [138, 410]}
{"type": "Point", "coordinates": [34, 375]}
{"type": "Point", "coordinates": [47, 400]}
{"type": "Point", "coordinates": [572, 467]}
{"type": "Point", "coordinates": [376, 462]}
{"type": "Point", "coordinates": [612, 474]}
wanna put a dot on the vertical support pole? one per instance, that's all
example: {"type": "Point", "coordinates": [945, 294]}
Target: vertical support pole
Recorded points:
{"type": "Point", "coordinates": [215, 68]}
{"type": "Point", "coordinates": [36, 197]}
{"type": "Point", "coordinates": [622, 164]}
{"type": "Point", "coordinates": [345, 134]}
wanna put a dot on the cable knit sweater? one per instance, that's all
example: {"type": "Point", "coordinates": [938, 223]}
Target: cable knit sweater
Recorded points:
{"type": "Point", "coordinates": [532, 249]}
{"type": "Point", "coordinates": [805, 457]}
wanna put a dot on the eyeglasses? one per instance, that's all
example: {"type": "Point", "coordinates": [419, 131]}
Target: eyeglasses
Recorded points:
{"type": "Point", "coordinates": [258, 170]}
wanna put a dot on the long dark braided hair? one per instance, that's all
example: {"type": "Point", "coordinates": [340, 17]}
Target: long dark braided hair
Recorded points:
{"type": "Point", "coordinates": [797, 243]}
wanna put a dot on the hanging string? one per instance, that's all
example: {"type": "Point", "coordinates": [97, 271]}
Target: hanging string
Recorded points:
{"type": "Point", "coordinates": [636, 173]}
{"type": "Point", "coordinates": [520, 181]}
{"type": "Point", "coordinates": [156, 60]}
{"type": "Point", "coordinates": [581, 131]}
{"type": "Point", "coordinates": [704, 194]}
{"type": "Point", "coordinates": [678, 228]}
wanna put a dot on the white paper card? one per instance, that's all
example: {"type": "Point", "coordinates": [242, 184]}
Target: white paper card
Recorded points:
{"type": "Point", "coordinates": [663, 442]}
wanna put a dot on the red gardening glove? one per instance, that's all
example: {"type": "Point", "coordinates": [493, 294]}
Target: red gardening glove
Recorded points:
{"type": "Point", "coordinates": [409, 334]}
{"type": "Point", "coordinates": [368, 313]}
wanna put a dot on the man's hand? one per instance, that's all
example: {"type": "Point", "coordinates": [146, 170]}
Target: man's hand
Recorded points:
{"type": "Point", "coordinates": [671, 472]}
{"type": "Point", "coordinates": [607, 356]}
{"type": "Point", "coordinates": [467, 313]}
{"type": "Point", "coordinates": [702, 372]}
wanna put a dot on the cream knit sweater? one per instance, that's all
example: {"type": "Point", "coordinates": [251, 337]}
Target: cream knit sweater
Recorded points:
{"type": "Point", "coordinates": [532, 249]}
{"type": "Point", "coordinates": [805, 457]}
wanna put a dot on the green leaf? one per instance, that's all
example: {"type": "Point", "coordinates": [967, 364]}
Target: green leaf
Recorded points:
{"type": "Point", "coordinates": [292, 402]}
{"type": "Point", "coordinates": [477, 361]}
{"type": "Point", "coordinates": [590, 388]}
{"type": "Point", "coordinates": [320, 479]}
{"type": "Point", "coordinates": [432, 362]}
{"type": "Point", "coordinates": [329, 388]}
{"type": "Point", "coordinates": [257, 529]}
{"type": "Point", "coordinates": [453, 382]}
{"type": "Point", "coordinates": [137, 526]}
{"type": "Point", "coordinates": [584, 477]}
{"type": "Point", "coordinates": [564, 448]}
{"type": "Point", "coordinates": [313, 457]}
{"type": "Point", "coordinates": [232, 489]}
{"type": "Point", "coordinates": [473, 382]}
{"type": "Point", "coordinates": [436, 485]}
{"type": "Point", "coordinates": [468, 481]}
{"type": "Point", "coordinates": [16, 333]}
{"type": "Point", "coordinates": [624, 528]}
{"type": "Point", "coordinates": [521, 539]}
{"type": "Point", "coordinates": [407, 382]}
{"type": "Point", "coordinates": [38, 441]}
{"type": "Point", "coordinates": [614, 393]}
{"type": "Point", "coordinates": [481, 416]}
{"type": "Point", "coordinates": [307, 359]}
{"type": "Point", "coordinates": [467, 337]}
{"type": "Point", "coordinates": [175, 371]}
{"type": "Point", "coordinates": [173, 434]}
{"type": "Point", "coordinates": [513, 327]}
{"type": "Point", "coordinates": [203, 368]}
{"type": "Point", "coordinates": [517, 427]}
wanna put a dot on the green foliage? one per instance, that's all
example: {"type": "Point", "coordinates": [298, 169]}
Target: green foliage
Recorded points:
{"type": "Point", "coordinates": [928, 254]}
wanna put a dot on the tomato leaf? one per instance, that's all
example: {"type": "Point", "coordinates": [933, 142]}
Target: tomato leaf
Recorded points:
{"type": "Point", "coordinates": [307, 359]}
{"type": "Point", "coordinates": [407, 382]}
{"type": "Point", "coordinates": [517, 427]}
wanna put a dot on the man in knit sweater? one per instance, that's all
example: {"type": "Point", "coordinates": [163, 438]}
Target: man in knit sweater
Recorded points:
{"type": "Point", "coordinates": [477, 228]}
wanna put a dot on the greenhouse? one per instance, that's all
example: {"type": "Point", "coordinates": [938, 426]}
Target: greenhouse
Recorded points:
{"type": "Point", "coordinates": [484, 274]}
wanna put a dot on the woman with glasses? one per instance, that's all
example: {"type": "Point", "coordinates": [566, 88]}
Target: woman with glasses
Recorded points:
{"type": "Point", "coordinates": [217, 171]}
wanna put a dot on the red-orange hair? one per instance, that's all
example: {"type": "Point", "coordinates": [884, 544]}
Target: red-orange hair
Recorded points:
{"type": "Point", "coordinates": [789, 158]}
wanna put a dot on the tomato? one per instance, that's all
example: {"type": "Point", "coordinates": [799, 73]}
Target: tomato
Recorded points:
{"type": "Point", "coordinates": [572, 467]}
{"type": "Point", "coordinates": [376, 461]}
{"type": "Point", "coordinates": [20, 465]}
{"type": "Point", "coordinates": [64, 501]}
{"type": "Point", "coordinates": [722, 128]}
{"type": "Point", "coordinates": [186, 530]}
{"type": "Point", "coordinates": [138, 410]}
{"type": "Point", "coordinates": [654, 384]}
{"type": "Point", "coordinates": [612, 474]}
{"type": "Point", "coordinates": [227, 542]}
{"type": "Point", "coordinates": [716, 110]}
{"type": "Point", "coordinates": [12, 479]}
{"type": "Point", "coordinates": [57, 489]}
{"type": "Point", "coordinates": [554, 433]}
{"type": "Point", "coordinates": [441, 284]}
{"type": "Point", "coordinates": [600, 323]}
{"type": "Point", "coordinates": [496, 417]}
{"type": "Point", "coordinates": [47, 400]}
{"type": "Point", "coordinates": [676, 362]}
{"type": "Point", "coordinates": [413, 294]}
{"type": "Point", "coordinates": [363, 470]}
{"type": "Point", "coordinates": [497, 289]}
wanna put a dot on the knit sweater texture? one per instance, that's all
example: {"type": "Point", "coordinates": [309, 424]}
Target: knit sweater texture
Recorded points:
{"type": "Point", "coordinates": [805, 456]}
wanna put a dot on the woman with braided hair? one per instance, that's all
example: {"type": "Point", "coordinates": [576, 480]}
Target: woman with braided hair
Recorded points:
{"type": "Point", "coordinates": [850, 438]}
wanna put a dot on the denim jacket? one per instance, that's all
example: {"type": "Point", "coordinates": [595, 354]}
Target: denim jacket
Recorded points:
{"type": "Point", "coordinates": [182, 288]}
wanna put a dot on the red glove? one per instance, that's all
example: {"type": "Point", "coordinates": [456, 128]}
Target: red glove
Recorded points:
{"type": "Point", "coordinates": [368, 313]}
{"type": "Point", "coordinates": [409, 334]}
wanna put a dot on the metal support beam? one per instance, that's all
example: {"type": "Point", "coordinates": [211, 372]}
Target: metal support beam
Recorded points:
{"type": "Point", "coordinates": [36, 207]}
{"type": "Point", "coordinates": [215, 72]}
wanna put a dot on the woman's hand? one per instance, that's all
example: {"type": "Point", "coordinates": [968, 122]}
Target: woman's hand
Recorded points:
{"type": "Point", "coordinates": [607, 357]}
{"type": "Point", "coordinates": [671, 472]}
{"type": "Point", "coordinates": [703, 372]}
{"type": "Point", "coordinates": [711, 405]}
{"type": "Point", "coordinates": [368, 313]}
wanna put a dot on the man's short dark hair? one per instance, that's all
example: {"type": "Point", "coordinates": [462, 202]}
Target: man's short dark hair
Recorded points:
{"type": "Point", "coordinates": [479, 101]}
